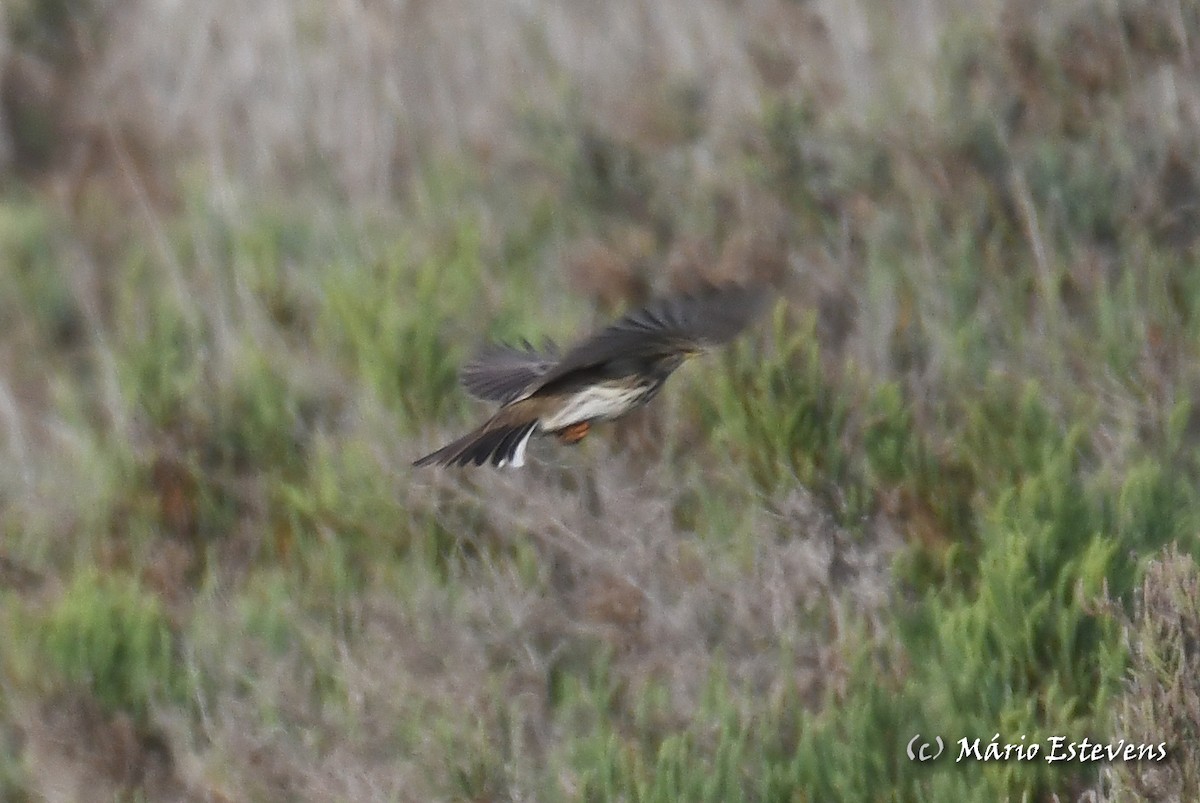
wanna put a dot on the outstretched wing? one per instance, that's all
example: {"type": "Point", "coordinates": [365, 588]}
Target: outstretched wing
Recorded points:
{"type": "Point", "coordinates": [503, 373]}
{"type": "Point", "coordinates": [678, 324]}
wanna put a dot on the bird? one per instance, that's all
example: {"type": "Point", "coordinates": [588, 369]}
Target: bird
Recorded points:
{"type": "Point", "coordinates": [601, 378]}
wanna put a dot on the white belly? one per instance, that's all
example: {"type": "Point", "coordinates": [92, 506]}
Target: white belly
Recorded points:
{"type": "Point", "coordinates": [598, 402]}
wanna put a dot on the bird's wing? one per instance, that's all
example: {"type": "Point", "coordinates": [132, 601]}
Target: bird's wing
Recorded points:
{"type": "Point", "coordinates": [503, 373]}
{"type": "Point", "coordinates": [689, 322]}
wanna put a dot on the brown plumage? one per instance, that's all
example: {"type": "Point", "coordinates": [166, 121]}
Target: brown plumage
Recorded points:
{"type": "Point", "coordinates": [603, 377]}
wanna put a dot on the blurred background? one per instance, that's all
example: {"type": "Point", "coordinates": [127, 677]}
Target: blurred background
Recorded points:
{"type": "Point", "coordinates": [948, 487]}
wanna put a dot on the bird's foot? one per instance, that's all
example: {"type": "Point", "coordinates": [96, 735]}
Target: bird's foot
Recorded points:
{"type": "Point", "coordinates": [574, 433]}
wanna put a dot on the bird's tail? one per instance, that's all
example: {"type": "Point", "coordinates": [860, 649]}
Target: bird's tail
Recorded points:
{"type": "Point", "coordinates": [499, 444]}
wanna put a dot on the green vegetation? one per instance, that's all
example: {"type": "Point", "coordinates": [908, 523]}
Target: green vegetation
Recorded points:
{"type": "Point", "coordinates": [113, 638]}
{"type": "Point", "coordinates": [949, 487]}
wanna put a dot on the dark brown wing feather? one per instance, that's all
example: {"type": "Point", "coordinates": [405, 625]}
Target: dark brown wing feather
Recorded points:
{"type": "Point", "coordinates": [698, 320]}
{"type": "Point", "coordinates": [503, 373]}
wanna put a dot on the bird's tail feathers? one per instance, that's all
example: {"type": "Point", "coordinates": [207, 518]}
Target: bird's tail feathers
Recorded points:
{"type": "Point", "coordinates": [501, 445]}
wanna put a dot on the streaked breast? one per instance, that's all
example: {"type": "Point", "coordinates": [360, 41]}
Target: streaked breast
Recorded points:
{"type": "Point", "coordinates": [603, 401]}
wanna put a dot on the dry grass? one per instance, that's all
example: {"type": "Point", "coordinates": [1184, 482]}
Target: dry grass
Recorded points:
{"type": "Point", "coordinates": [247, 249]}
{"type": "Point", "coordinates": [1161, 702]}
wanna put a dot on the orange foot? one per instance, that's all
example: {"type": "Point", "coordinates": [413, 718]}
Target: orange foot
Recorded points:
{"type": "Point", "coordinates": [574, 433]}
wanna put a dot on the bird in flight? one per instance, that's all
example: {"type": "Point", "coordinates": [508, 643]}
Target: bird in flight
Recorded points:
{"type": "Point", "coordinates": [603, 377]}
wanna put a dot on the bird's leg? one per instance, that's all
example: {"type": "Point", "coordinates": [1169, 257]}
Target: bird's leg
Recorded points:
{"type": "Point", "coordinates": [574, 433]}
